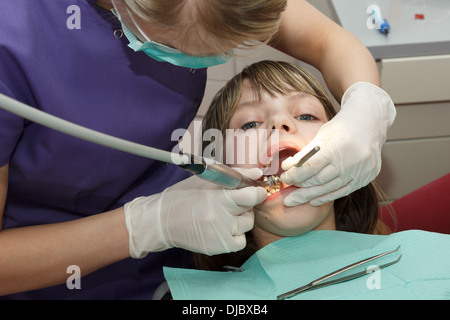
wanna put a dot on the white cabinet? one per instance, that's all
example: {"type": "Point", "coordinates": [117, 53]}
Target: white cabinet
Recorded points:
{"type": "Point", "coordinates": [417, 150]}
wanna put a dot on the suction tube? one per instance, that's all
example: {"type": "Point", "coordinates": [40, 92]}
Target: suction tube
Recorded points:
{"type": "Point", "coordinates": [58, 124]}
{"type": "Point", "coordinates": [214, 172]}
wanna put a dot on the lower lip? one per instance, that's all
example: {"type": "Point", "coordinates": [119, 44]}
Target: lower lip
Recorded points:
{"type": "Point", "coordinates": [282, 192]}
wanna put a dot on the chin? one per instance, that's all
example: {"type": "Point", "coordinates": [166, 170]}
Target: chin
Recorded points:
{"type": "Point", "coordinates": [274, 217]}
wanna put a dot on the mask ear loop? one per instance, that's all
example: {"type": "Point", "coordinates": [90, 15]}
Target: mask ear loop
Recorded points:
{"type": "Point", "coordinates": [114, 11]}
{"type": "Point", "coordinates": [165, 47]}
{"type": "Point", "coordinates": [137, 26]}
{"type": "Point", "coordinates": [117, 14]}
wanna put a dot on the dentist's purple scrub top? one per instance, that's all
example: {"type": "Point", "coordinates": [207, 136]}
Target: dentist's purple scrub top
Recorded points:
{"type": "Point", "coordinates": [89, 77]}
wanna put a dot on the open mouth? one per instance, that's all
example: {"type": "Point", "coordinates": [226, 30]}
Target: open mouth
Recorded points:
{"type": "Point", "coordinates": [271, 167]}
{"type": "Point", "coordinates": [273, 164]}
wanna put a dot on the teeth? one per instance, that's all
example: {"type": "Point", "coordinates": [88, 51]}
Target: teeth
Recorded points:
{"type": "Point", "coordinates": [275, 184]}
{"type": "Point", "coordinates": [267, 165]}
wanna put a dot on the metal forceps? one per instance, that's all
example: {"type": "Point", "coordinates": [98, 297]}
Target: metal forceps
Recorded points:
{"type": "Point", "coordinates": [319, 283]}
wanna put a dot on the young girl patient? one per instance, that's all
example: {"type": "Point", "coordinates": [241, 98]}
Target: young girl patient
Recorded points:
{"type": "Point", "coordinates": [284, 107]}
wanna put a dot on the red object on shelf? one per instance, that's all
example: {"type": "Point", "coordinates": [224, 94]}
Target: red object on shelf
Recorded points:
{"type": "Point", "coordinates": [419, 16]}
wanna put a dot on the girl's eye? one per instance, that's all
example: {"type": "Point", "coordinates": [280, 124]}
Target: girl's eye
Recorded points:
{"type": "Point", "coordinates": [250, 125]}
{"type": "Point", "coordinates": [306, 117]}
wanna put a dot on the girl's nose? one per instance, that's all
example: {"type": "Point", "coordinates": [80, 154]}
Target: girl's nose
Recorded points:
{"type": "Point", "coordinates": [283, 122]}
{"type": "Point", "coordinates": [283, 127]}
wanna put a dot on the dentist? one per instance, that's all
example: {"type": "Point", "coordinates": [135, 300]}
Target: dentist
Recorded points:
{"type": "Point", "coordinates": [136, 69]}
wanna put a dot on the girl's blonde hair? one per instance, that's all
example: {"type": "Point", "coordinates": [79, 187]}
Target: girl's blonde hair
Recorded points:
{"type": "Point", "coordinates": [231, 21]}
{"type": "Point", "coordinates": [273, 77]}
{"type": "Point", "coordinates": [356, 212]}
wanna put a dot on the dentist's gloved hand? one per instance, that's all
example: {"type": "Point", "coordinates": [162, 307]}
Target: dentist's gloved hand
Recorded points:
{"type": "Point", "coordinates": [350, 148]}
{"type": "Point", "coordinates": [193, 214]}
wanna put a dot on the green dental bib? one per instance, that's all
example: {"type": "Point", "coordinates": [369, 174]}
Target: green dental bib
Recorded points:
{"type": "Point", "coordinates": [423, 271]}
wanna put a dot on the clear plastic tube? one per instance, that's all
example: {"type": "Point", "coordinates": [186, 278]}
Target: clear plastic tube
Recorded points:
{"type": "Point", "coordinates": [81, 132]}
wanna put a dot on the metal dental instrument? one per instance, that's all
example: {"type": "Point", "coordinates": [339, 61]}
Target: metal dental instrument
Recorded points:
{"type": "Point", "coordinates": [307, 156]}
{"type": "Point", "coordinates": [214, 172]}
{"type": "Point", "coordinates": [318, 283]}
{"type": "Point", "coordinates": [274, 184]}
{"type": "Point", "coordinates": [223, 175]}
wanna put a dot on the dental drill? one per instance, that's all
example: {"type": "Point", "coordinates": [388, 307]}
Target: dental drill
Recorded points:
{"type": "Point", "coordinates": [227, 176]}
{"type": "Point", "coordinates": [214, 172]}
{"type": "Point", "coordinates": [231, 179]}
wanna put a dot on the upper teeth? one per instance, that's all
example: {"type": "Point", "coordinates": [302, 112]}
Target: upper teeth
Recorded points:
{"type": "Point", "coordinates": [268, 163]}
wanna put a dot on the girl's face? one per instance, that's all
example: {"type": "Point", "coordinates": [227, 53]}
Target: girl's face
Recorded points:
{"type": "Point", "coordinates": [276, 128]}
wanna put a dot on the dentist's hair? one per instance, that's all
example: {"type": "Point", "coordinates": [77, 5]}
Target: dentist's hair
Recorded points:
{"type": "Point", "coordinates": [230, 21]}
{"type": "Point", "coordinates": [357, 212]}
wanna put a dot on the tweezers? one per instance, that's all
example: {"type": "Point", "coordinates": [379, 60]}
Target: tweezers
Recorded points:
{"type": "Point", "coordinates": [318, 283]}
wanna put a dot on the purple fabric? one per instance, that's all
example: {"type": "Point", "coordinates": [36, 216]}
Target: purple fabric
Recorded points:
{"type": "Point", "coordinates": [89, 77]}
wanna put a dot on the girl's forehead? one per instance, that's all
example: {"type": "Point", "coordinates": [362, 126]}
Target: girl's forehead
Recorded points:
{"type": "Point", "coordinates": [251, 95]}
{"type": "Point", "coordinates": [248, 93]}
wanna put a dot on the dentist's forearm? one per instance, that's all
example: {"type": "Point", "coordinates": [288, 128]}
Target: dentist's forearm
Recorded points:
{"type": "Point", "coordinates": [38, 256]}
{"type": "Point", "coordinates": [342, 66]}
{"type": "Point", "coordinates": [308, 35]}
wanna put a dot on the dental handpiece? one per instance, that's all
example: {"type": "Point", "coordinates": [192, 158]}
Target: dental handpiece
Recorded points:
{"type": "Point", "coordinates": [226, 176]}
{"type": "Point", "coordinates": [229, 178]}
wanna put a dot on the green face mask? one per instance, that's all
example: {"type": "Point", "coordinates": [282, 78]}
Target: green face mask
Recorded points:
{"type": "Point", "coordinates": [160, 52]}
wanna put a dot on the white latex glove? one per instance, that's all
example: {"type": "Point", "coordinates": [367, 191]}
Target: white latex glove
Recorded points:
{"type": "Point", "coordinates": [350, 154]}
{"type": "Point", "coordinates": [195, 215]}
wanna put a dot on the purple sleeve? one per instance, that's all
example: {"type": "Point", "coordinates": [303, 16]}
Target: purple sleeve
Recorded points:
{"type": "Point", "coordinates": [11, 127]}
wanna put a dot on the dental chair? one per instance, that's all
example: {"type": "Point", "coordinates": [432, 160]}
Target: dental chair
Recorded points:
{"type": "Point", "coordinates": [427, 208]}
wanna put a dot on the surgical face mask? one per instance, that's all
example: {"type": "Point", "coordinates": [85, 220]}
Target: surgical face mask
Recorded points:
{"type": "Point", "coordinates": [161, 52]}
